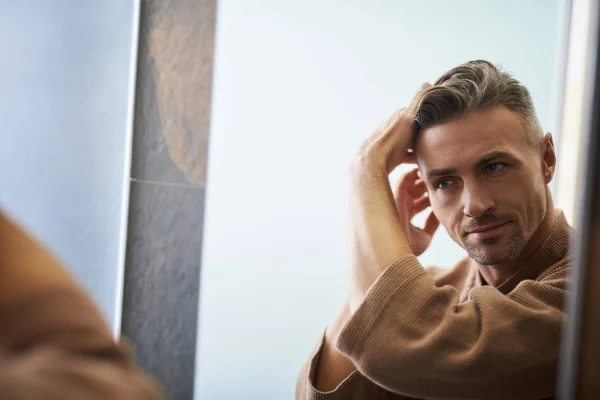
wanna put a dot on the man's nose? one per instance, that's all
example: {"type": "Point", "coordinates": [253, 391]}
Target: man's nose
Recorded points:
{"type": "Point", "coordinates": [477, 201]}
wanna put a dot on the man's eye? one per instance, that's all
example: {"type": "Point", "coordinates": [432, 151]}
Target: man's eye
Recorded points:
{"type": "Point", "coordinates": [491, 168]}
{"type": "Point", "coordinates": [443, 183]}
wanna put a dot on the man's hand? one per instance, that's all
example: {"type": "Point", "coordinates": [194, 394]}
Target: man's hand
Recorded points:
{"type": "Point", "coordinates": [411, 197]}
{"type": "Point", "coordinates": [388, 146]}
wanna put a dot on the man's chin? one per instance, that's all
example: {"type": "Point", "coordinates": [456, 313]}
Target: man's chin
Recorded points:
{"type": "Point", "coordinates": [489, 259]}
{"type": "Point", "coordinates": [494, 254]}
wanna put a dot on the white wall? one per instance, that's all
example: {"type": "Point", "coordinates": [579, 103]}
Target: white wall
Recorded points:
{"type": "Point", "coordinates": [65, 107]}
{"type": "Point", "coordinates": [298, 86]}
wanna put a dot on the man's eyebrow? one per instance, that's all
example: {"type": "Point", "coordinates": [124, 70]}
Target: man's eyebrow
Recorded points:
{"type": "Point", "coordinates": [481, 162]}
{"type": "Point", "coordinates": [490, 157]}
{"type": "Point", "coordinates": [440, 172]}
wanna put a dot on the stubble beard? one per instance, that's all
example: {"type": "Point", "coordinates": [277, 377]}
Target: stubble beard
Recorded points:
{"type": "Point", "coordinates": [493, 252]}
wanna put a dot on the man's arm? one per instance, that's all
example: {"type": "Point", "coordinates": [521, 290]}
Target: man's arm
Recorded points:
{"type": "Point", "coordinates": [380, 226]}
{"type": "Point", "coordinates": [411, 337]}
{"type": "Point", "coordinates": [54, 343]}
{"type": "Point", "coordinates": [330, 375]}
{"type": "Point", "coordinates": [377, 239]}
{"type": "Point", "coordinates": [376, 244]}
{"type": "Point", "coordinates": [377, 219]}
{"type": "Point", "coordinates": [368, 226]}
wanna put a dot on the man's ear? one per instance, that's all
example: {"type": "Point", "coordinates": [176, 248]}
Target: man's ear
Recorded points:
{"type": "Point", "coordinates": [548, 157]}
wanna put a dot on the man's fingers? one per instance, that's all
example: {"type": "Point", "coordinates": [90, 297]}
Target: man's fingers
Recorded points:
{"type": "Point", "coordinates": [387, 125]}
{"type": "Point", "coordinates": [411, 184]}
{"type": "Point", "coordinates": [417, 189]}
{"type": "Point", "coordinates": [431, 224]}
{"type": "Point", "coordinates": [424, 86]}
{"type": "Point", "coordinates": [407, 181]}
{"type": "Point", "coordinates": [396, 133]}
{"type": "Point", "coordinates": [419, 205]}
{"type": "Point", "coordinates": [401, 120]}
{"type": "Point", "coordinates": [398, 120]}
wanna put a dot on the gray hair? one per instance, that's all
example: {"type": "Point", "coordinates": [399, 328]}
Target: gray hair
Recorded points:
{"type": "Point", "coordinates": [473, 86]}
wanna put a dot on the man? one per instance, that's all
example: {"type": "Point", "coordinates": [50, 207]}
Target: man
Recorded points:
{"type": "Point", "coordinates": [54, 343]}
{"type": "Point", "coordinates": [490, 326]}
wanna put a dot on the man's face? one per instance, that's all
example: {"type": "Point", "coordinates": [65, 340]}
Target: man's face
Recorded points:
{"type": "Point", "coordinates": [486, 181]}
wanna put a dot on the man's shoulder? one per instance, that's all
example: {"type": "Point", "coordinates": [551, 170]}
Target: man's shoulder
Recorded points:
{"type": "Point", "coordinates": [558, 270]}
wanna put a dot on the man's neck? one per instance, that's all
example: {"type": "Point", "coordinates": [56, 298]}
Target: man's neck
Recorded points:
{"type": "Point", "coordinates": [495, 275]}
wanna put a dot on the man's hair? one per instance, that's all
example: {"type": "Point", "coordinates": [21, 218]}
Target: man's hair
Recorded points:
{"type": "Point", "coordinates": [473, 86]}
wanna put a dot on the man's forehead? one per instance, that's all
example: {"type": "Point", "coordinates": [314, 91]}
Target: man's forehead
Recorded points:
{"type": "Point", "coordinates": [466, 140]}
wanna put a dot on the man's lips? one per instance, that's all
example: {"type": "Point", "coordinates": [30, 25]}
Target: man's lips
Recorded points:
{"type": "Point", "coordinates": [487, 231]}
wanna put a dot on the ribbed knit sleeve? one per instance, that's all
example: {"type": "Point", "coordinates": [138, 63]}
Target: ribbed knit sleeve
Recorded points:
{"type": "Point", "coordinates": [413, 338]}
{"type": "Point", "coordinates": [354, 387]}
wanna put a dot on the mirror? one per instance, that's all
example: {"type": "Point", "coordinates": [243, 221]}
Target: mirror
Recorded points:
{"type": "Point", "coordinates": [298, 87]}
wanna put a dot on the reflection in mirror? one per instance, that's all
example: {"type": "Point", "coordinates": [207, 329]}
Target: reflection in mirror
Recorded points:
{"type": "Point", "coordinates": [300, 88]}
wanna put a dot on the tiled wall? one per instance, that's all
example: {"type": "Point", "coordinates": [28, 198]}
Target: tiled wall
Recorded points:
{"type": "Point", "coordinates": [170, 144]}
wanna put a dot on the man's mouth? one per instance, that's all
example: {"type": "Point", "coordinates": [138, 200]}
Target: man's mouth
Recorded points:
{"type": "Point", "coordinates": [487, 231]}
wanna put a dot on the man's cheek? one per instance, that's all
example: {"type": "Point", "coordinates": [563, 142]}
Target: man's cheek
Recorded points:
{"type": "Point", "coordinates": [441, 209]}
{"type": "Point", "coordinates": [449, 217]}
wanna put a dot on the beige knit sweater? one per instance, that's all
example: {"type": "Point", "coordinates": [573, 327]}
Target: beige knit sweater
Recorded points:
{"type": "Point", "coordinates": [54, 343]}
{"type": "Point", "coordinates": [441, 334]}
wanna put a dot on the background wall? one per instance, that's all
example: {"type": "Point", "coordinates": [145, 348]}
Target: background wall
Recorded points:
{"type": "Point", "coordinates": [298, 86]}
{"type": "Point", "coordinates": [65, 109]}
